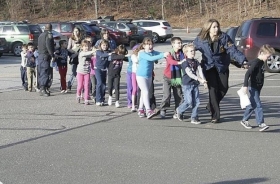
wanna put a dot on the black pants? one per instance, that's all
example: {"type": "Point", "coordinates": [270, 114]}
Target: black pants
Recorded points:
{"type": "Point", "coordinates": [218, 87]}
{"type": "Point", "coordinates": [114, 82]}
{"type": "Point", "coordinates": [45, 75]}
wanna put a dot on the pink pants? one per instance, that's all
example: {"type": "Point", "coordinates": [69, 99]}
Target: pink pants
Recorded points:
{"type": "Point", "coordinates": [83, 83]}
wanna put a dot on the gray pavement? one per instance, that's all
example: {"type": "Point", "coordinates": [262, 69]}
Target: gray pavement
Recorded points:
{"type": "Point", "coordinates": [47, 140]}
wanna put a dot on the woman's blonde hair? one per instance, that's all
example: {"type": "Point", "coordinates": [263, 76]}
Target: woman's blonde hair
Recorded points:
{"type": "Point", "coordinates": [267, 49]}
{"type": "Point", "coordinates": [204, 33]}
{"type": "Point", "coordinates": [146, 40]}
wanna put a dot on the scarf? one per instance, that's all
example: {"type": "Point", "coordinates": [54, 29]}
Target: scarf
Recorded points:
{"type": "Point", "coordinates": [176, 75]}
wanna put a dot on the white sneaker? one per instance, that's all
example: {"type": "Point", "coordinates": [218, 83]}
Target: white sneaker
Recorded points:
{"type": "Point", "coordinates": [98, 104]}
{"type": "Point", "coordinates": [63, 91]}
{"type": "Point", "coordinates": [133, 109]}
{"type": "Point", "coordinates": [195, 121]}
{"type": "Point", "coordinates": [263, 127]}
{"type": "Point", "coordinates": [117, 104]}
{"type": "Point", "coordinates": [110, 100]}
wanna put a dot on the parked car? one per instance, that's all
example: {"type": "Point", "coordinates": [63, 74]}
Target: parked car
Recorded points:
{"type": "Point", "coordinates": [120, 37]}
{"type": "Point", "coordinates": [144, 33]}
{"type": "Point", "coordinates": [17, 34]}
{"type": "Point", "coordinates": [65, 28]}
{"type": "Point", "coordinates": [161, 29]}
{"type": "Point", "coordinates": [254, 33]}
{"type": "Point", "coordinates": [232, 32]}
{"type": "Point", "coordinates": [3, 46]}
{"type": "Point", "coordinates": [129, 28]}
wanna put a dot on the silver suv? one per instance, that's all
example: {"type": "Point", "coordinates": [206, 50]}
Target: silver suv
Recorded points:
{"type": "Point", "coordinates": [161, 29]}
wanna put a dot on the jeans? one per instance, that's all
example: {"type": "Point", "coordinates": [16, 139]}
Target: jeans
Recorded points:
{"type": "Point", "coordinates": [256, 106]}
{"type": "Point", "coordinates": [23, 76]}
{"type": "Point", "coordinates": [101, 76]}
{"type": "Point", "coordinates": [191, 100]}
{"type": "Point", "coordinates": [93, 85]}
{"type": "Point", "coordinates": [73, 75]}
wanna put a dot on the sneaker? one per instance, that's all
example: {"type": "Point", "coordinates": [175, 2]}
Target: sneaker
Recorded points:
{"type": "Point", "coordinates": [141, 113]}
{"type": "Point", "coordinates": [62, 91]}
{"type": "Point", "coordinates": [175, 116]}
{"type": "Point", "coordinates": [78, 98]}
{"type": "Point", "coordinates": [102, 104]}
{"type": "Point", "coordinates": [150, 114]}
{"type": "Point", "coordinates": [65, 91]}
{"type": "Point", "coordinates": [162, 114]}
{"type": "Point", "coordinates": [98, 104]}
{"type": "Point", "coordinates": [179, 116]}
{"type": "Point", "coordinates": [133, 109]}
{"type": "Point", "coordinates": [246, 124]}
{"type": "Point", "coordinates": [195, 121]}
{"type": "Point", "coordinates": [263, 127]}
{"type": "Point", "coordinates": [110, 100]}
{"type": "Point", "coordinates": [117, 104]}
{"type": "Point", "coordinates": [86, 102]}
{"type": "Point", "coordinates": [93, 100]}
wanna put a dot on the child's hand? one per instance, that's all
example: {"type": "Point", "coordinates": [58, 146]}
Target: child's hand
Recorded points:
{"type": "Point", "coordinates": [244, 89]}
{"type": "Point", "coordinates": [205, 85]}
{"type": "Point", "coordinates": [166, 54]}
{"type": "Point", "coordinates": [202, 81]}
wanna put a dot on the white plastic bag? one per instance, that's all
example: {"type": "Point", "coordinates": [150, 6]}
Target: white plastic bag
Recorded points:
{"type": "Point", "coordinates": [244, 99]}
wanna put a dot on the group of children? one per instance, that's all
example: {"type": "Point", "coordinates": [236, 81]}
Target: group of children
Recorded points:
{"type": "Point", "coordinates": [183, 74]}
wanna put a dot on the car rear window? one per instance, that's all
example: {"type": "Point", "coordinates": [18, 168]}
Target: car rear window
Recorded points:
{"type": "Point", "coordinates": [66, 28]}
{"type": "Point", "coordinates": [35, 29]}
{"type": "Point", "coordinates": [130, 25]}
{"type": "Point", "coordinates": [243, 30]}
{"type": "Point", "coordinates": [166, 24]}
{"type": "Point", "coordinates": [23, 29]}
{"type": "Point", "coordinates": [266, 29]}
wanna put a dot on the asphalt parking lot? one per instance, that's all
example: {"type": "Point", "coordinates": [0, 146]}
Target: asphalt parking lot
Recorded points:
{"type": "Point", "coordinates": [55, 140]}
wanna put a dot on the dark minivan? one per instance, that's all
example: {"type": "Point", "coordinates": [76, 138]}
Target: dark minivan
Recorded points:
{"type": "Point", "coordinates": [254, 33]}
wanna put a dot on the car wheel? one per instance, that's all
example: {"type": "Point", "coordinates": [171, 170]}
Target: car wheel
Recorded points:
{"type": "Point", "coordinates": [163, 40]}
{"type": "Point", "coordinates": [272, 65]}
{"type": "Point", "coordinates": [17, 48]}
{"type": "Point", "coordinates": [155, 38]}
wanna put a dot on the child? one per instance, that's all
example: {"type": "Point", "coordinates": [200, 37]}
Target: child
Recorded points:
{"type": "Point", "coordinates": [23, 67]}
{"type": "Point", "coordinates": [192, 76]}
{"type": "Point", "coordinates": [92, 77]}
{"type": "Point", "coordinates": [114, 73]}
{"type": "Point", "coordinates": [134, 60]}
{"type": "Point", "coordinates": [30, 66]}
{"type": "Point", "coordinates": [129, 73]}
{"type": "Point", "coordinates": [254, 78]}
{"type": "Point", "coordinates": [36, 55]}
{"type": "Point", "coordinates": [83, 70]}
{"type": "Point", "coordinates": [61, 58]}
{"type": "Point", "coordinates": [172, 78]}
{"type": "Point", "coordinates": [100, 69]}
{"type": "Point", "coordinates": [146, 59]}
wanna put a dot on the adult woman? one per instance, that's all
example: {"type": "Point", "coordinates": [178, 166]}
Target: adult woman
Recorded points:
{"type": "Point", "coordinates": [216, 48]}
{"type": "Point", "coordinates": [74, 44]}
{"type": "Point", "coordinates": [105, 36]}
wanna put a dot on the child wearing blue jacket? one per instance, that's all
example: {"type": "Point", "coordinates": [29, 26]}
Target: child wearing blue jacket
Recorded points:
{"type": "Point", "coordinates": [146, 59]}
